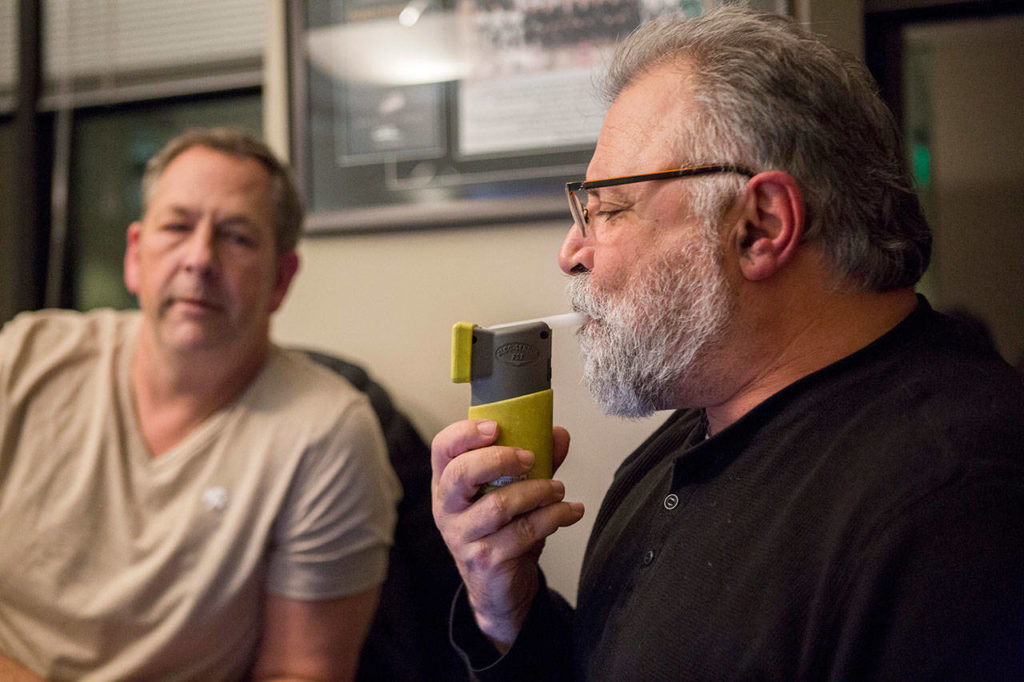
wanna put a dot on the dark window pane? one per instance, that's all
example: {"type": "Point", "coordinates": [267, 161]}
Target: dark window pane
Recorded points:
{"type": "Point", "coordinates": [7, 218]}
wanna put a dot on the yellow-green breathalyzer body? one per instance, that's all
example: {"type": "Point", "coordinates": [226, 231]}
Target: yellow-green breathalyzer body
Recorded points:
{"type": "Point", "coordinates": [508, 368]}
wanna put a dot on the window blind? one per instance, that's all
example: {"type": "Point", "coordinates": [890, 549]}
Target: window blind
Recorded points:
{"type": "Point", "coordinates": [8, 54]}
{"type": "Point", "coordinates": [104, 51]}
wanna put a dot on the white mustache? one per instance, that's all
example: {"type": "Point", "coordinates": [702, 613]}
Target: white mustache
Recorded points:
{"type": "Point", "coordinates": [583, 300]}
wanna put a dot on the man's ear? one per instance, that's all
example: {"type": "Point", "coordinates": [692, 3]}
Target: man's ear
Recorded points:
{"type": "Point", "coordinates": [131, 258]}
{"type": "Point", "coordinates": [772, 224]}
{"type": "Point", "coordinates": [287, 266]}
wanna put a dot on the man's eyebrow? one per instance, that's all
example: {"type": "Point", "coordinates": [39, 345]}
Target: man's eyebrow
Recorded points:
{"type": "Point", "coordinates": [610, 194]}
{"type": "Point", "coordinates": [235, 219]}
{"type": "Point", "coordinates": [176, 212]}
{"type": "Point", "coordinates": [230, 219]}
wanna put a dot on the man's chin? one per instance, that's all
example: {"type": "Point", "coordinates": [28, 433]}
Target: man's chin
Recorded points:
{"type": "Point", "coordinates": [615, 398]}
{"type": "Point", "coordinates": [185, 335]}
{"type": "Point", "coordinates": [623, 406]}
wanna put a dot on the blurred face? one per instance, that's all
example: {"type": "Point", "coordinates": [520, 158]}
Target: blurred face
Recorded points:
{"type": "Point", "coordinates": [203, 260]}
{"type": "Point", "coordinates": [649, 273]}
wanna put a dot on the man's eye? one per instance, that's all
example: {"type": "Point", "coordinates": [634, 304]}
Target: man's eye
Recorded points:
{"type": "Point", "coordinates": [174, 227]}
{"type": "Point", "coordinates": [240, 239]}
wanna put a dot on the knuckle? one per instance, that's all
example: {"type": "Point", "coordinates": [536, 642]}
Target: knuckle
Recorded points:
{"type": "Point", "coordinates": [453, 534]}
{"type": "Point", "coordinates": [440, 441]}
{"type": "Point", "coordinates": [499, 504]}
{"type": "Point", "coordinates": [477, 557]}
{"type": "Point", "coordinates": [440, 518]}
{"type": "Point", "coordinates": [497, 457]}
{"type": "Point", "coordinates": [457, 469]}
{"type": "Point", "coordinates": [524, 529]}
{"type": "Point", "coordinates": [450, 438]}
{"type": "Point", "coordinates": [440, 446]}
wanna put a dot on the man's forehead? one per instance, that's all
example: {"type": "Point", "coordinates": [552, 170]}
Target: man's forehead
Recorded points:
{"type": "Point", "coordinates": [642, 128]}
{"type": "Point", "coordinates": [206, 172]}
{"type": "Point", "coordinates": [204, 182]}
{"type": "Point", "coordinates": [207, 165]}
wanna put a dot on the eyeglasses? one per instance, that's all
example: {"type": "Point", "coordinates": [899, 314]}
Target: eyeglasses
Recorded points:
{"type": "Point", "coordinates": [577, 191]}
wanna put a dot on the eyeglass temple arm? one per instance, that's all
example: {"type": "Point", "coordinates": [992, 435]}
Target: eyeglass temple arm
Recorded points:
{"type": "Point", "coordinates": [675, 173]}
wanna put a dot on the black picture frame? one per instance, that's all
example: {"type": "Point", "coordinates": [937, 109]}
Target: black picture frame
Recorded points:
{"type": "Point", "coordinates": [492, 139]}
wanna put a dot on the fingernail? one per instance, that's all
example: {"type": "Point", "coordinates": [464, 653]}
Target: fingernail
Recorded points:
{"type": "Point", "coordinates": [487, 428]}
{"type": "Point", "coordinates": [525, 456]}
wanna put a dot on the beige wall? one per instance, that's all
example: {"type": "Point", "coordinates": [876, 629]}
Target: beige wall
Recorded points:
{"type": "Point", "coordinates": [388, 301]}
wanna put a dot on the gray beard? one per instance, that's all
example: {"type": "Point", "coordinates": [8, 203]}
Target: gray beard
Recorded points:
{"type": "Point", "coordinates": [643, 350]}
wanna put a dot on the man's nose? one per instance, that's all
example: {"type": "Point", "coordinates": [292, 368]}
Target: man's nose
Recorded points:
{"type": "Point", "coordinates": [200, 250]}
{"type": "Point", "coordinates": [576, 253]}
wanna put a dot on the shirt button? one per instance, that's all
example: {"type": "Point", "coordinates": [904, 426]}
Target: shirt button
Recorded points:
{"type": "Point", "coordinates": [671, 501]}
{"type": "Point", "coordinates": [648, 557]}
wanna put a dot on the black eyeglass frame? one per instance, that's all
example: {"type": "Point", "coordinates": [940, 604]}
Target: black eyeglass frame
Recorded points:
{"type": "Point", "coordinates": [579, 211]}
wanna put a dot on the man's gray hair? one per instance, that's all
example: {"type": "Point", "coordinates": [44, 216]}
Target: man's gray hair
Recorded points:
{"type": "Point", "coordinates": [288, 209]}
{"type": "Point", "coordinates": [771, 95]}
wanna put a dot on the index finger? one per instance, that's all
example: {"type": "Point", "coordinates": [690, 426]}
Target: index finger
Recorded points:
{"type": "Point", "coordinates": [457, 438]}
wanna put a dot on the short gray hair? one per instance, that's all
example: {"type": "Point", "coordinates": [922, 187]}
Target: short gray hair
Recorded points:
{"type": "Point", "coordinates": [288, 209]}
{"type": "Point", "coordinates": [772, 95]}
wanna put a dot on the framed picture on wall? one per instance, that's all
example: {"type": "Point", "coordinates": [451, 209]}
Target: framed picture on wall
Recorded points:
{"type": "Point", "coordinates": [426, 113]}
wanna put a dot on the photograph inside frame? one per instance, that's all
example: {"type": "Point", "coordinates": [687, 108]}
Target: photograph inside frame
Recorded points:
{"type": "Point", "coordinates": [418, 102]}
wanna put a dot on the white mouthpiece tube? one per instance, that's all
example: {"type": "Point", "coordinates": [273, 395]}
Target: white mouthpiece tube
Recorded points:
{"type": "Point", "coordinates": [553, 321]}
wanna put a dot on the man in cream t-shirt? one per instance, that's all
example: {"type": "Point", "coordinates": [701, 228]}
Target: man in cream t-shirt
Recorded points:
{"type": "Point", "coordinates": [180, 498]}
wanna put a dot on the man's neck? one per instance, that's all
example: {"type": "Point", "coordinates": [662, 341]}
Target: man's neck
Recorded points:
{"type": "Point", "coordinates": [176, 392]}
{"type": "Point", "coordinates": [806, 338]}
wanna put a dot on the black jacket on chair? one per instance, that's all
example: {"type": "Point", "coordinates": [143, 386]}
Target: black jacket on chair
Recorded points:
{"type": "Point", "coordinates": [409, 636]}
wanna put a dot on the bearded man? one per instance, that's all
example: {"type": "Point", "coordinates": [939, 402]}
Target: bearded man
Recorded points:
{"type": "Point", "coordinates": [840, 492]}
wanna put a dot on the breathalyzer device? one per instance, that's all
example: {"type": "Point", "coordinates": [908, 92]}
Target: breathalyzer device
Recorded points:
{"type": "Point", "coordinates": [508, 368]}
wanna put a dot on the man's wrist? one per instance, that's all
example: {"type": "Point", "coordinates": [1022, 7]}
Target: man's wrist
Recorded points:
{"type": "Point", "coordinates": [464, 632]}
{"type": "Point", "coordinates": [502, 631]}
{"type": "Point", "coordinates": [542, 649]}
